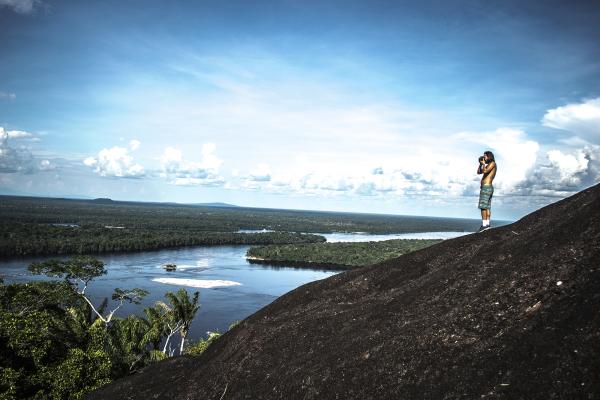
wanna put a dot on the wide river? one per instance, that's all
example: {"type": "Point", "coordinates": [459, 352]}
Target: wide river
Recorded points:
{"type": "Point", "coordinates": [230, 287]}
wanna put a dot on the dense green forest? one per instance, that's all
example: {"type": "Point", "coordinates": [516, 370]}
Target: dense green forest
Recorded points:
{"type": "Point", "coordinates": [38, 239]}
{"type": "Point", "coordinates": [43, 226]}
{"type": "Point", "coordinates": [56, 344]}
{"type": "Point", "coordinates": [336, 255]}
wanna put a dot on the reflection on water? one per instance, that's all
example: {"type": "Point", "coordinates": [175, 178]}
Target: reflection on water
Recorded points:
{"type": "Point", "coordinates": [365, 237]}
{"type": "Point", "coordinates": [222, 305]}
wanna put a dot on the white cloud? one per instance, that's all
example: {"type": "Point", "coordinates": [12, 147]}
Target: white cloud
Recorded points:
{"type": "Point", "coordinates": [568, 165]}
{"type": "Point", "coordinates": [561, 174]}
{"type": "Point", "coordinates": [5, 95]}
{"type": "Point", "coordinates": [115, 162]}
{"type": "Point", "coordinates": [191, 173]}
{"type": "Point", "coordinates": [21, 6]}
{"type": "Point", "coordinates": [515, 155]}
{"type": "Point", "coordinates": [581, 119]}
{"type": "Point", "coordinates": [15, 158]}
{"type": "Point", "coordinates": [5, 135]}
{"type": "Point", "coordinates": [430, 172]}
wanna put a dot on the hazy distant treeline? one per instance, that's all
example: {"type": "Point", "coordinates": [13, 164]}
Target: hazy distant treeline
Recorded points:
{"type": "Point", "coordinates": [215, 219]}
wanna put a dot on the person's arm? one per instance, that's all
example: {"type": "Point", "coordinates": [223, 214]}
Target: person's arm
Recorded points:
{"type": "Point", "coordinates": [480, 168]}
{"type": "Point", "coordinates": [487, 168]}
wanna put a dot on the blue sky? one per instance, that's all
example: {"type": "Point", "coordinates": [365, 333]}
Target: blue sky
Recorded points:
{"type": "Point", "coordinates": [368, 106]}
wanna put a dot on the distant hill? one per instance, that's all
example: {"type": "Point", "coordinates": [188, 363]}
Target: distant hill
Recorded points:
{"type": "Point", "coordinates": [110, 201]}
{"type": "Point", "coordinates": [511, 313]}
{"type": "Point", "coordinates": [102, 200]}
{"type": "Point", "coordinates": [214, 205]}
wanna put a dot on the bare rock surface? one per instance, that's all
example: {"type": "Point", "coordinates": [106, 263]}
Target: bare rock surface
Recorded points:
{"type": "Point", "coordinates": [510, 313]}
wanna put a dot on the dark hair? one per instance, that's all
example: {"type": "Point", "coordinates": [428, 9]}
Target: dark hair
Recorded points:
{"type": "Point", "coordinates": [490, 155]}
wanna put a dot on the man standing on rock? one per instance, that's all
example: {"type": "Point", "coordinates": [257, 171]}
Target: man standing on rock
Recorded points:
{"type": "Point", "coordinates": [487, 167]}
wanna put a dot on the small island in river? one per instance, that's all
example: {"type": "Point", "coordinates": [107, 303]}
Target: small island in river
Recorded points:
{"type": "Point", "coordinates": [341, 255]}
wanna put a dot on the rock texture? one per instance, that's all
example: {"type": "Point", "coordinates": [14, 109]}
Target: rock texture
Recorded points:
{"type": "Point", "coordinates": [511, 313]}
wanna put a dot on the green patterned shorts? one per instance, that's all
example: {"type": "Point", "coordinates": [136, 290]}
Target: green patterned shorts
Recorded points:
{"type": "Point", "coordinates": [485, 197]}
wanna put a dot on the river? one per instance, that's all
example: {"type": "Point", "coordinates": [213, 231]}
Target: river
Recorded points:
{"type": "Point", "coordinates": [230, 287]}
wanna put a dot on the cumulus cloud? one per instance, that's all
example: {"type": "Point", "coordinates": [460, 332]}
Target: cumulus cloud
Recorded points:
{"type": "Point", "coordinates": [21, 6]}
{"type": "Point", "coordinates": [115, 162]}
{"type": "Point", "coordinates": [425, 174]}
{"type": "Point", "coordinates": [561, 173]}
{"type": "Point", "coordinates": [514, 153]}
{"type": "Point", "coordinates": [15, 158]}
{"type": "Point", "coordinates": [581, 119]}
{"type": "Point", "coordinates": [181, 172]}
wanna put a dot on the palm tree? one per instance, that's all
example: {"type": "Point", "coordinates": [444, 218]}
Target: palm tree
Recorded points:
{"type": "Point", "coordinates": [156, 319]}
{"type": "Point", "coordinates": [127, 344]}
{"type": "Point", "coordinates": [184, 310]}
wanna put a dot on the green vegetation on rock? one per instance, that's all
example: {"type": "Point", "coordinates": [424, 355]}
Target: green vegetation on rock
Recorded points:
{"type": "Point", "coordinates": [336, 255]}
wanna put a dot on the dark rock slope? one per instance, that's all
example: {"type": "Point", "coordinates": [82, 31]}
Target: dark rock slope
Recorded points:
{"type": "Point", "coordinates": [511, 313]}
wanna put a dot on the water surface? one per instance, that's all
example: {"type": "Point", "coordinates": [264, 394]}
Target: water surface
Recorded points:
{"type": "Point", "coordinates": [256, 285]}
{"type": "Point", "coordinates": [247, 288]}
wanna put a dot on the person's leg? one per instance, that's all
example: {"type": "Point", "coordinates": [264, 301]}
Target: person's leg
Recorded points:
{"type": "Point", "coordinates": [488, 211]}
{"type": "Point", "coordinates": [486, 217]}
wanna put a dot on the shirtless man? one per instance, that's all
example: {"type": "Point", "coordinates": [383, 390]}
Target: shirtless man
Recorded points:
{"type": "Point", "coordinates": [487, 167]}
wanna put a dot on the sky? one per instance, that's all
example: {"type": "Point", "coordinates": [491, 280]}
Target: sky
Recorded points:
{"type": "Point", "coordinates": [358, 106]}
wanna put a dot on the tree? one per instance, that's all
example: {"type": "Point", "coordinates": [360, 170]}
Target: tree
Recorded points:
{"type": "Point", "coordinates": [78, 272]}
{"type": "Point", "coordinates": [43, 351]}
{"type": "Point", "coordinates": [172, 325]}
{"type": "Point", "coordinates": [127, 344]}
{"type": "Point", "coordinates": [157, 325]}
{"type": "Point", "coordinates": [184, 310]}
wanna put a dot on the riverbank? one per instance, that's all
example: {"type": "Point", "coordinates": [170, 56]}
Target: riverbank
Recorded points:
{"type": "Point", "coordinates": [45, 226]}
{"type": "Point", "coordinates": [31, 240]}
{"type": "Point", "coordinates": [340, 255]}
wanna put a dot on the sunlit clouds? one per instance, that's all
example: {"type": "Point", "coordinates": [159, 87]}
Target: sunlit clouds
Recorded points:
{"type": "Point", "coordinates": [181, 172]}
{"type": "Point", "coordinates": [371, 107]}
{"type": "Point", "coordinates": [116, 162]}
{"type": "Point", "coordinates": [581, 119]}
